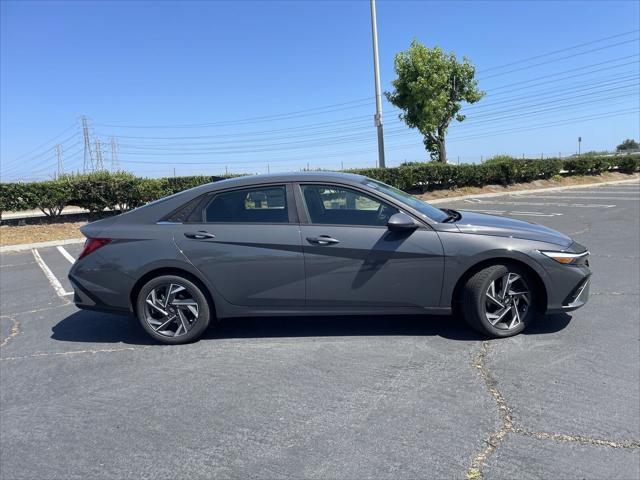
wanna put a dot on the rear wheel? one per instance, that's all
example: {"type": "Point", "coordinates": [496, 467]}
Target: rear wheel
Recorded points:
{"type": "Point", "coordinates": [499, 300]}
{"type": "Point", "coordinates": [173, 309]}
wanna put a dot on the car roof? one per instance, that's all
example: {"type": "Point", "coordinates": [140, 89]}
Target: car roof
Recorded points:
{"type": "Point", "coordinates": [284, 177]}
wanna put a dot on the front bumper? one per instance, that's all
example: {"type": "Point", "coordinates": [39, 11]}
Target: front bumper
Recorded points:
{"type": "Point", "coordinates": [578, 296]}
{"type": "Point", "coordinates": [568, 288]}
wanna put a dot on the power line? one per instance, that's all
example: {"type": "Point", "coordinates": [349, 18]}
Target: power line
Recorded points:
{"type": "Point", "coordinates": [45, 143]}
{"type": "Point", "coordinates": [571, 86]}
{"type": "Point", "coordinates": [523, 108]}
{"type": "Point", "coordinates": [359, 102]}
{"type": "Point", "coordinates": [566, 71]}
{"type": "Point", "coordinates": [316, 130]}
{"type": "Point", "coordinates": [396, 146]}
{"type": "Point", "coordinates": [535, 57]}
{"type": "Point", "coordinates": [249, 120]}
{"type": "Point", "coordinates": [20, 162]}
{"type": "Point", "coordinates": [560, 58]}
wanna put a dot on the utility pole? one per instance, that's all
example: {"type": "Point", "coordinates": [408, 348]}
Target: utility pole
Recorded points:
{"type": "Point", "coordinates": [60, 161]}
{"type": "Point", "coordinates": [115, 164]}
{"type": "Point", "coordinates": [88, 156]}
{"type": "Point", "coordinates": [99, 162]}
{"type": "Point", "coordinates": [579, 142]}
{"type": "Point", "coordinates": [376, 74]}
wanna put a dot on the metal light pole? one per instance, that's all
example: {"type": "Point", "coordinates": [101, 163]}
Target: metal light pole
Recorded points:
{"type": "Point", "coordinates": [376, 73]}
{"type": "Point", "coordinates": [579, 142]}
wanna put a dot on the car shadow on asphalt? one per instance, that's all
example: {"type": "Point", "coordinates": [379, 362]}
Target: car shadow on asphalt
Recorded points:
{"type": "Point", "coordinates": [93, 327]}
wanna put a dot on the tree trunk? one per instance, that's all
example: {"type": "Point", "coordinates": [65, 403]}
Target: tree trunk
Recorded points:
{"type": "Point", "coordinates": [442, 154]}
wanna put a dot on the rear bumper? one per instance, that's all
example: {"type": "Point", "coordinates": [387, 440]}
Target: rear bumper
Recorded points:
{"type": "Point", "coordinates": [86, 300]}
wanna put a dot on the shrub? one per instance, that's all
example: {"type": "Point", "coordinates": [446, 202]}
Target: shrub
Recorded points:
{"type": "Point", "coordinates": [498, 159]}
{"type": "Point", "coordinates": [50, 196]}
{"type": "Point", "coordinates": [13, 197]}
{"type": "Point", "coordinates": [178, 184]}
{"type": "Point", "coordinates": [92, 191]}
{"type": "Point", "coordinates": [628, 164]}
{"type": "Point", "coordinates": [579, 166]}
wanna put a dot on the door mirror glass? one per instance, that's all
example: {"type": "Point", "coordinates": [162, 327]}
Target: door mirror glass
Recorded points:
{"type": "Point", "coordinates": [401, 221]}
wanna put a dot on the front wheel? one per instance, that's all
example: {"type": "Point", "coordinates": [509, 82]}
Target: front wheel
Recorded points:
{"type": "Point", "coordinates": [173, 309]}
{"type": "Point", "coordinates": [499, 300]}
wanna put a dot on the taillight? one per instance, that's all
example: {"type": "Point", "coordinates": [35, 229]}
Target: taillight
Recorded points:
{"type": "Point", "coordinates": [92, 244]}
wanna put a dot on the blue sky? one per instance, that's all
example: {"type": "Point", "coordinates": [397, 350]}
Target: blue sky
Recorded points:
{"type": "Point", "coordinates": [207, 86]}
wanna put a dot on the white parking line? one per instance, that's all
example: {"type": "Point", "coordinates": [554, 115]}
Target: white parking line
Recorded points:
{"type": "Point", "coordinates": [55, 283]}
{"type": "Point", "coordinates": [539, 204]}
{"type": "Point", "coordinates": [510, 212]}
{"type": "Point", "coordinates": [66, 254]}
{"type": "Point", "coordinates": [608, 192]}
{"type": "Point", "coordinates": [573, 197]}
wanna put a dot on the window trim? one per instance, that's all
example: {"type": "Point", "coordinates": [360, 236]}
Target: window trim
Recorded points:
{"type": "Point", "coordinates": [197, 203]}
{"type": "Point", "coordinates": [302, 206]}
{"type": "Point", "coordinates": [290, 204]}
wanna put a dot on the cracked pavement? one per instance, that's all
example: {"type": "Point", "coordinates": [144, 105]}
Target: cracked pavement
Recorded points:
{"type": "Point", "coordinates": [87, 395]}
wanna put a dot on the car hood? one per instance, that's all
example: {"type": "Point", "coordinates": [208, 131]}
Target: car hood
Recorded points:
{"type": "Point", "coordinates": [483, 224]}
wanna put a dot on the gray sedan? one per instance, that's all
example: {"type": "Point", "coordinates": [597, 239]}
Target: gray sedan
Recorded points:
{"type": "Point", "coordinates": [321, 244]}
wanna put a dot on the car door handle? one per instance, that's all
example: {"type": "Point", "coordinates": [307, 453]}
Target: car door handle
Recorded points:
{"type": "Point", "coordinates": [199, 235]}
{"type": "Point", "coordinates": [323, 240]}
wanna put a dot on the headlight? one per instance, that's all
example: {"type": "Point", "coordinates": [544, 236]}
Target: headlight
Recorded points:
{"type": "Point", "coordinates": [565, 257]}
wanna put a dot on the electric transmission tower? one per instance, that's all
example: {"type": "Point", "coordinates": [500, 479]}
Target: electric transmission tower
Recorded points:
{"type": "Point", "coordinates": [99, 166]}
{"type": "Point", "coordinates": [115, 164]}
{"type": "Point", "coordinates": [87, 164]}
{"type": "Point", "coordinates": [60, 161]}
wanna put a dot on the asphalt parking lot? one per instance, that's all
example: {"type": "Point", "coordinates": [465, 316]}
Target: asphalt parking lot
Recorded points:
{"type": "Point", "coordinates": [87, 395]}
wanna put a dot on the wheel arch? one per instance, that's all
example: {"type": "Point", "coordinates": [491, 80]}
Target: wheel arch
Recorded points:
{"type": "Point", "coordinates": [539, 285]}
{"type": "Point", "coordinates": [135, 290]}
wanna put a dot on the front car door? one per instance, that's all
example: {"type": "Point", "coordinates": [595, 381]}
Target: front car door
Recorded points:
{"type": "Point", "coordinates": [353, 261]}
{"type": "Point", "coordinates": [246, 241]}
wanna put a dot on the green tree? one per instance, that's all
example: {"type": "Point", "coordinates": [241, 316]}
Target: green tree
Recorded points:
{"type": "Point", "coordinates": [629, 145]}
{"type": "Point", "coordinates": [430, 89]}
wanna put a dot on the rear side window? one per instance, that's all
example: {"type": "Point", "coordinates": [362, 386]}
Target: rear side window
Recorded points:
{"type": "Point", "coordinates": [185, 213]}
{"type": "Point", "coordinates": [254, 205]}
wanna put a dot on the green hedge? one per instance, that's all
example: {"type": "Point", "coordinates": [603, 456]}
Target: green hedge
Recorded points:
{"type": "Point", "coordinates": [123, 191]}
{"type": "Point", "coordinates": [498, 171]}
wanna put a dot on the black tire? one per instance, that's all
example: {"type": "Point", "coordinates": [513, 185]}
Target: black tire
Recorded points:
{"type": "Point", "coordinates": [474, 304]}
{"type": "Point", "coordinates": [196, 323]}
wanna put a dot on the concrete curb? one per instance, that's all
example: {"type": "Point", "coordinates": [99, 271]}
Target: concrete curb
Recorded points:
{"type": "Point", "coordinates": [28, 246]}
{"type": "Point", "coordinates": [55, 243]}
{"type": "Point", "coordinates": [532, 190]}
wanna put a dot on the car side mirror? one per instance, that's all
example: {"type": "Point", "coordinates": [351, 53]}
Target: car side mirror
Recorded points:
{"type": "Point", "coordinates": [401, 222]}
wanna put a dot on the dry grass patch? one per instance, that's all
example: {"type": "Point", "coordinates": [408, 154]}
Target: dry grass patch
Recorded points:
{"type": "Point", "coordinates": [44, 232]}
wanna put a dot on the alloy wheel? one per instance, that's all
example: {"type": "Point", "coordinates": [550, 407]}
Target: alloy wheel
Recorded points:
{"type": "Point", "coordinates": [507, 301]}
{"type": "Point", "coordinates": [171, 310]}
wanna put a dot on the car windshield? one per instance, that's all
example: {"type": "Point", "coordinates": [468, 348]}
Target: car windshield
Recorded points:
{"type": "Point", "coordinates": [423, 207]}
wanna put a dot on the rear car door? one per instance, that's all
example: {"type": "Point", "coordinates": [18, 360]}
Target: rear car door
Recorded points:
{"type": "Point", "coordinates": [353, 260]}
{"type": "Point", "coordinates": [246, 241]}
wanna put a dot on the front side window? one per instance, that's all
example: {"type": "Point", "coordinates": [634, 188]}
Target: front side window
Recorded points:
{"type": "Point", "coordinates": [335, 205]}
{"type": "Point", "coordinates": [426, 210]}
{"type": "Point", "coordinates": [251, 205]}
